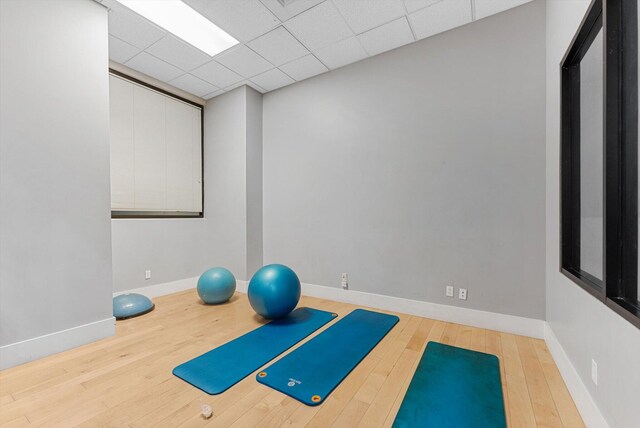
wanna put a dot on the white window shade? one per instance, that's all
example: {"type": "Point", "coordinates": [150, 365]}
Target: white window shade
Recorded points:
{"type": "Point", "coordinates": [156, 152]}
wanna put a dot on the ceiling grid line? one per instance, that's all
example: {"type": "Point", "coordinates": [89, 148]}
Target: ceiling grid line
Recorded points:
{"type": "Point", "coordinates": [350, 27]}
{"type": "Point", "coordinates": [406, 14]}
{"type": "Point", "coordinates": [302, 43]}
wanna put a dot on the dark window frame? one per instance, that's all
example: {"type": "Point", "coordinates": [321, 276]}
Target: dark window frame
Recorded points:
{"type": "Point", "coordinates": [570, 153]}
{"type": "Point", "coordinates": [122, 214]}
{"type": "Point", "coordinates": [621, 157]}
{"type": "Point", "coordinates": [618, 289]}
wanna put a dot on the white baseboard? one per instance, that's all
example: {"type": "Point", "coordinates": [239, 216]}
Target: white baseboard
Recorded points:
{"type": "Point", "coordinates": [242, 286]}
{"type": "Point", "coordinates": [473, 317]}
{"type": "Point", "coordinates": [31, 349]}
{"type": "Point", "coordinates": [588, 409]}
{"type": "Point", "coordinates": [490, 320]}
{"type": "Point", "coordinates": [163, 289]}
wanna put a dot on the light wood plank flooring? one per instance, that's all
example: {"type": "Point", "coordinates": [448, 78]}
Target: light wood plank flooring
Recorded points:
{"type": "Point", "coordinates": [126, 380]}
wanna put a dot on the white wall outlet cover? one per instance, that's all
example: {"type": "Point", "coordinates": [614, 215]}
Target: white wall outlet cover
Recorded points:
{"type": "Point", "coordinates": [147, 274]}
{"type": "Point", "coordinates": [449, 291]}
{"type": "Point", "coordinates": [345, 281]}
{"type": "Point", "coordinates": [462, 294]}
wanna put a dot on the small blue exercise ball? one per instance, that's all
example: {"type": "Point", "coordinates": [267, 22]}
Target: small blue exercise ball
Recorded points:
{"type": "Point", "coordinates": [216, 285]}
{"type": "Point", "coordinates": [274, 291]}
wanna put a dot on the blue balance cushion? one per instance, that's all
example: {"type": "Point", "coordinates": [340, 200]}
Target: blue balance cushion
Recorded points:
{"type": "Point", "coordinates": [131, 305]}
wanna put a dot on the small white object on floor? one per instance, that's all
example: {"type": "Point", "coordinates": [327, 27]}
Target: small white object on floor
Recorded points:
{"type": "Point", "coordinates": [206, 410]}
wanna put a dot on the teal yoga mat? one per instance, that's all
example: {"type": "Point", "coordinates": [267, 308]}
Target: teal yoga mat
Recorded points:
{"type": "Point", "coordinates": [312, 371]}
{"type": "Point", "coordinates": [217, 370]}
{"type": "Point", "coordinates": [453, 387]}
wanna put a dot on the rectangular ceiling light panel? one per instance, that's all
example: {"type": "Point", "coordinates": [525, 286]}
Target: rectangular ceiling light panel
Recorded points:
{"type": "Point", "coordinates": [181, 20]}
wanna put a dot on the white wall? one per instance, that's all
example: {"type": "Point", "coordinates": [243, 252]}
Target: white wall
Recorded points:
{"type": "Point", "coordinates": [417, 168]}
{"type": "Point", "coordinates": [55, 237]}
{"type": "Point", "coordinates": [254, 181]}
{"type": "Point", "coordinates": [176, 249]}
{"type": "Point", "coordinates": [585, 328]}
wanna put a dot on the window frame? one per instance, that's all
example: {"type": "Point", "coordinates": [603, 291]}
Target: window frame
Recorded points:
{"type": "Point", "coordinates": [619, 288]}
{"type": "Point", "coordinates": [591, 25]}
{"type": "Point", "coordinates": [122, 214]}
{"type": "Point", "coordinates": [621, 161]}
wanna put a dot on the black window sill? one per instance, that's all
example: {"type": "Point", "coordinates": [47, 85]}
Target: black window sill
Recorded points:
{"type": "Point", "coordinates": [586, 281]}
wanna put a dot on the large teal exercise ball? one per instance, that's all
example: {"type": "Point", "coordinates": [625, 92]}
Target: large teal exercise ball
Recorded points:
{"type": "Point", "coordinates": [274, 291]}
{"type": "Point", "coordinates": [216, 285]}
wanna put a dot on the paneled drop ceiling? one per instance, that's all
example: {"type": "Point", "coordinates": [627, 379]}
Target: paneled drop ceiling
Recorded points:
{"type": "Point", "coordinates": [280, 45]}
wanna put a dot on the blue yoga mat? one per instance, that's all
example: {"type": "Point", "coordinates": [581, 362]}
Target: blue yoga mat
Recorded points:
{"type": "Point", "coordinates": [312, 371]}
{"type": "Point", "coordinates": [217, 370]}
{"type": "Point", "coordinates": [453, 387]}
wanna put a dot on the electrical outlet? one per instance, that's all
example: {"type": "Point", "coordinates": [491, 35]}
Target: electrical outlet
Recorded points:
{"type": "Point", "coordinates": [449, 291]}
{"type": "Point", "coordinates": [345, 281]}
{"type": "Point", "coordinates": [462, 294]}
{"type": "Point", "coordinates": [147, 274]}
{"type": "Point", "coordinates": [594, 371]}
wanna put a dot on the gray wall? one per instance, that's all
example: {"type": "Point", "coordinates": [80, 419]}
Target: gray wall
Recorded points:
{"type": "Point", "coordinates": [175, 249]}
{"type": "Point", "coordinates": [254, 181]}
{"type": "Point", "coordinates": [585, 328]}
{"type": "Point", "coordinates": [417, 168]}
{"type": "Point", "coordinates": [55, 237]}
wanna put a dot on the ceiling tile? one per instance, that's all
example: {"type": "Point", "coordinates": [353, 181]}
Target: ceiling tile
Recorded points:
{"type": "Point", "coordinates": [131, 27]}
{"type": "Point", "coordinates": [485, 8]}
{"type": "Point", "coordinates": [217, 74]}
{"type": "Point", "coordinates": [245, 19]}
{"type": "Point", "coordinates": [440, 17]}
{"type": "Point", "coordinates": [365, 15]}
{"type": "Point", "coordinates": [245, 82]}
{"type": "Point", "coordinates": [154, 67]}
{"type": "Point", "coordinates": [303, 68]}
{"type": "Point", "coordinates": [278, 46]}
{"type": "Point", "coordinates": [342, 53]}
{"type": "Point", "coordinates": [413, 5]}
{"type": "Point", "coordinates": [193, 85]}
{"type": "Point", "coordinates": [319, 26]}
{"type": "Point", "coordinates": [294, 8]}
{"type": "Point", "coordinates": [174, 51]}
{"type": "Point", "coordinates": [120, 51]}
{"type": "Point", "coordinates": [272, 79]}
{"type": "Point", "coordinates": [244, 61]}
{"type": "Point", "coordinates": [386, 37]}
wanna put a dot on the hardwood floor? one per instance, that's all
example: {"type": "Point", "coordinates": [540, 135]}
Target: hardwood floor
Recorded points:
{"type": "Point", "coordinates": [126, 380]}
